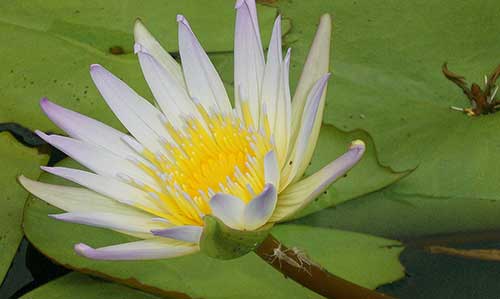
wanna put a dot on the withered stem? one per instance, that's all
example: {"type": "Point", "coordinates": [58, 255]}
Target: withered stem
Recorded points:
{"type": "Point", "coordinates": [313, 276]}
{"type": "Point", "coordinates": [483, 100]}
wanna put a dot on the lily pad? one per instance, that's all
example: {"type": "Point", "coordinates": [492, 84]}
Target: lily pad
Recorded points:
{"type": "Point", "coordinates": [198, 275]}
{"type": "Point", "coordinates": [392, 215]}
{"type": "Point", "coordinates": [359, 258]}
{"type": "Point", "coordinates": [387, 81]}
{"type": "Point", "coordinates": [109, 24]}
{"type": "Point", "coordinates": [17, 159]}
{"type": "Point", "coordinates": [75, 285]}
{"type": "Point", "coordinates": [57, 69]}
{"type": "Point", "coordinates": [51, 46]}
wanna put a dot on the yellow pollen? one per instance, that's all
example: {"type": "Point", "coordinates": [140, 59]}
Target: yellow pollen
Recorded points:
{"type": "Point", "coordinates": [216, 153]}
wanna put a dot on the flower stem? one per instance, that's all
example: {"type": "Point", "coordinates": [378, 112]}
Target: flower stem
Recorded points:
{"type": "Point", "coordinates": [310, 274]}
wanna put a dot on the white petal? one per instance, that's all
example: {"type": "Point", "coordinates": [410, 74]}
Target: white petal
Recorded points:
{"type": "Point", "coordinates": [317, 64]}
{"type": "Point", "coordinates": [156, 248]}
{"type": "Point", "coordinates": [73, 199]}
{"type": "Point", "coordinates": [113, 220]}
{"type": "Point", "coordinates": [172, 98]}
{"type": "Point", "coordinates": [148, 42]}
{"type": "Point", "coordinates": [272, 71]}
{"type": "Point", "coordinates": [248, 57]}
{"type": "Point", "coordinates": [140, 118]}
{"type": "Point", "coordinates": [202, 79]}
{"type": "Point", "coordinates": [187, 233]}
{"type": "Point", "coordinates": [299, 157]}
{"type": "Point", "coordinates": [106, 186]}
{"type": "Point", "coordinates": [229, 209]}
{"type": "Point", "coordinates": [86, 129]}
{"type": "Point", "coordinates": [271, 169]}
{"type": "Point", "coordinates": [282, 125]}
{"type": "Point", "coordinates": [95, 158]}
{"type": "Point", "coordinates": [259, 209]}
{"type": "Point", "coordinates": [299, 194]}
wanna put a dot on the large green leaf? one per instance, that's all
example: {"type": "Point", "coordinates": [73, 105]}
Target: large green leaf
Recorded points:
{"type": "Point", "coordinates": [105, 24]}
{"type": "Point", "coordinates": [51, 46]}
{"type": "Point", "coordinates": [57, 69]}
{"type": "Point", "coordinates": [366, 260]}
{"type": "Point", "coordinates": [17, 159]}
{"type": "Point", "coordinates": [387, 80]}
{"type": "Point", "coordinates": [363, 259]}
{"type": "Point", "coordinates": [392, 215]}
{"type": "Point", "coordinates": [75, 285]}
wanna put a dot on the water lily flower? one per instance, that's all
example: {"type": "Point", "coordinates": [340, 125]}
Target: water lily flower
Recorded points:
{"type": "Point", "coordinates": [194, 154]}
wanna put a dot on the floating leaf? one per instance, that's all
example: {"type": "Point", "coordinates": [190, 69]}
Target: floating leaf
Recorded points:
{"type": "Point", "coordinates": [75, 285]}
{"type": "Point", "coordinates": [390, 75]}
{"type": "Point", "coordinates": [353, 256]}
{"type": "Point", "coordinates": [52, 44]}
{"type": "Point", "coordinates": [57, 69]}
{"type": "Point", "coordinates": [386, 213]}
{"type": "Point", "coordinates": [17, 159]}
{"type": "Point", "coordinates": [109, 24]}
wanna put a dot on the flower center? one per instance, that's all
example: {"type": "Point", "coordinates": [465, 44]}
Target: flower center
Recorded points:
{"type": "Point", "coordinates": [212, 153]}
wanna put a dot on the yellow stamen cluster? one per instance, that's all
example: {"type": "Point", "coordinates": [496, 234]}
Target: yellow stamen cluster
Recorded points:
{"type": "Point", "coordinates": [212, 153]}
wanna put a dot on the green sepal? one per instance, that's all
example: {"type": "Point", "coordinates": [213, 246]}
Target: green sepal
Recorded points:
{"type": "Point", "coordinates": [222, 242]}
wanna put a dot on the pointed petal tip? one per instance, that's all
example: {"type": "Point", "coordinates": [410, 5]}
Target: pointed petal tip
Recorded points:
{"type": "Point", "coordinates": [51, 170]}
{"type": "Point", "coordinates": [259, 209]}
{"type": "Point", "coordinates": [57, 216]}
{"type": "Point", "coordinates": [181, 19]}
{"type": "Point", "coordinates": [95, 67]}
{"type": "Point", "coordinates": [44, 101]}
{"type": "Point", "coordinates": [139, 29]}
{"type": "Point", "coordinates": [357, 143]}
{"type": "Point", "coordinates": [138, 22]}
{"type": "Point", "coordinates": [23, 181]}
{"type": "Point", "coordinates": [46, 105]}
{"type": "Point", "coordinates": [323, 79]}
{"type": "Point", "coordinates": [157, 232]}
{"type": "Point", "coordinates": [359, 146]}
{"type": "Point", "coordinates": [288, 55]}
{"type": "Point", "coordinates": [196, 101]}
{"type": "Point", "coordinates": [326, 18]}
{"type": "Point", "coordinates": [26, 183]}
{"type": "Point", "coordinates": [83, 250]}
{"type": "Point", "coordinates": [269, 154]}
{"type": "Point", "coordinates": [186, 233]}
{"type": "Point", "coordinates": [277, 21]}
{"type": "Point", "coordinates": [325, 24]}
{"type": "Point", "coordinates": [42, 135]}
{"type": "Point", "coordinates": [51, 109]}
{"type": "Point", "coordinates": [268, 187]}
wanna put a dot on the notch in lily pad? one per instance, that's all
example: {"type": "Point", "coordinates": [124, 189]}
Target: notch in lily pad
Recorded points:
{"type": "Point", "coordinates": [483, 101]}
{"type": "Point", "coordinates": [222, 242]}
